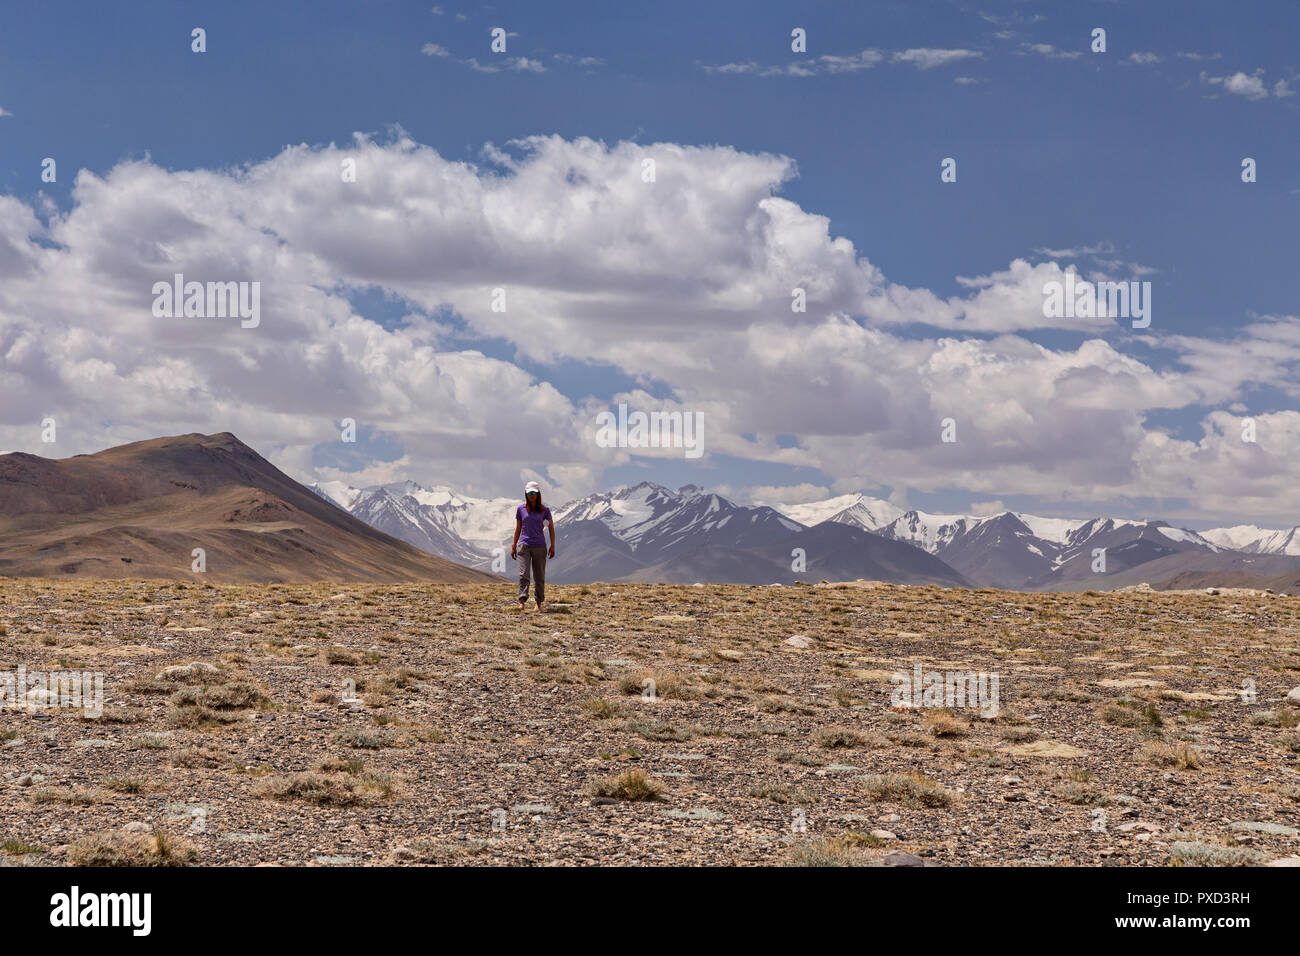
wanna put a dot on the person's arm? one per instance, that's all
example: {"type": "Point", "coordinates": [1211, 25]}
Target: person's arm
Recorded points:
{"type": "Point", "coordinates": [550, 523]}
{"type": "Point", "coordinates": [514, 545]}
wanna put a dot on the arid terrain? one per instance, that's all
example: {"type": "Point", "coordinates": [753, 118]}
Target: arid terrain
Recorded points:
{"type": "Point", "coordinates": [359, 724]}
{"type": "Point", "coordinates": [148, 509]}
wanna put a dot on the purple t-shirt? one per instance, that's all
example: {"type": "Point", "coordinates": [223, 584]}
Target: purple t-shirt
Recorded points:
{"type": "Point", "coordinates": [533, 534]}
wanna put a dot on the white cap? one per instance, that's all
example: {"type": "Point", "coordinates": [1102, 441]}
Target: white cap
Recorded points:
{"type": "Point", "coordinates": [532, 486]}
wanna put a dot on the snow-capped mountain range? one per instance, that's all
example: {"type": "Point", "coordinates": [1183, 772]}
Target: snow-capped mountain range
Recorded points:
{"type": "Point", "coordinates": [438, 520]}
{"type": "Point", "coordinates": [649, 532]}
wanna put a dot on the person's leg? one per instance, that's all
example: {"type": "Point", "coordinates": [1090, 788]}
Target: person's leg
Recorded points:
{"type": "Point", "coordinates": [525, 565]}
{"type": "Point", "coordinates": [539, 576]}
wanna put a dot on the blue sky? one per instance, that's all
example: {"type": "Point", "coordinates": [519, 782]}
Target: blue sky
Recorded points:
{"type": "Point", "coordinates": [1124, 163]}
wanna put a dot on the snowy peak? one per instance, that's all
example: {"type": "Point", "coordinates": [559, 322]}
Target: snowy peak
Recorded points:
{"type": "Point", "coordinates": [859, 510]}
{"type": "Point", "coordinates": [651, 519]}
{"type": "Point", "coordinates": [1182, 536]}
{"type": "Point", "coordinates": [930, 532]}
{"type": "Point", "coordinates": [1256, 540]}
{"type": "Point", "coordinates": [623, 509]}
{"type": "Point", "coordinates": [339, 492]}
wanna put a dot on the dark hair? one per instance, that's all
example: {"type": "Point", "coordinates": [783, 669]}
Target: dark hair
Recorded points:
{"type": "Point", "coordinates": [529, 506]}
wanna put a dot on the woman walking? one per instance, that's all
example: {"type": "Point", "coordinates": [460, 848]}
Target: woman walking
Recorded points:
{"type": "Point", "coordinates": [529, 546]}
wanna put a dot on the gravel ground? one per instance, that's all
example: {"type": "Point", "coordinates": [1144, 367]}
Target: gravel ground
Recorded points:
{"type": "Point", "coordinates": [339, 724]}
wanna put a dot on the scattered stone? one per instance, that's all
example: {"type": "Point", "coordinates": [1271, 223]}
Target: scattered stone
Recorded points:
{"type": "Point", "coordinates": [1148, 828]}
{"type": "Point", "coordinates": [900, 858]}
{"type": "Point", "coordinates": [1045, 748]}
{"type": "Point", "coordinates": [694, 813]}
{"type": "Point", "coordinates": [180, 672]}
{"type": "Point", "coordinates": [1275, 829]}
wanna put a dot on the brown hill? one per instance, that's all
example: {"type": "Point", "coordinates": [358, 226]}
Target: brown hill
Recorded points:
{"type": "Point", "coordinates": [139, 511]}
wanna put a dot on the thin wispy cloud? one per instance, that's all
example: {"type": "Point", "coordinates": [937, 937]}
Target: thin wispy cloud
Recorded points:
{"type": "Point", "coordinates": [1050, 51]}
{"type": "Point", "coordinates": [582, 61]}
{"type": "Point", "coordinates": [922, 58]}
{"type": "Point", "coordinates": [851, 63]}
{"type": "Point", "coordinates": [927, 58]}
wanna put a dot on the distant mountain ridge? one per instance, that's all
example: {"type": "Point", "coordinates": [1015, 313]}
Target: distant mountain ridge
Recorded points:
{"type": "Point", "coordinates": [139, 510]}
{"type": "Point", "coordinates": [650, 532]}
{"type": "Point", "coordinates": [1031, 552]}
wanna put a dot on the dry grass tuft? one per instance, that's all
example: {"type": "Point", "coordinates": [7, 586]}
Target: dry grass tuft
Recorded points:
{"type": "Point", "coordinates": [634, 784]}
{"type": "Point", "coordinates": [119, 848]}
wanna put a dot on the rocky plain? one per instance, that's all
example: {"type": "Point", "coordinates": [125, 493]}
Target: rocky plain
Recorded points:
{"type": "Point", "coordinates": [636, 724]}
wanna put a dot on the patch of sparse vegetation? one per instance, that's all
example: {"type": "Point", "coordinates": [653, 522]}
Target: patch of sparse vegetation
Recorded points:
{"type": "Point", "coordinates": [1018, 735]}
{"type": "Point", "coordinates": [1192, 853]}
{"type": "Point", "coordinates": [1182, 755]}
{"type": "Point", "coordinates": [662, 683]}
{"type": "Point", "coordinates": [1082, 794]}
{"type": "Point", "coordinates": [1276, 718]}
{"type": "Point", "coordinates": [19, 847]}
{"type": "Point", "coordinates": [656, 730]}
{"type": "Point", "coordinates": [329, 789]}
{"type": "Point", "coordinates": [367, 738]}
{"type": "Point", "coordinates": [598, 708]}
{"type": "Point", "coordinates": [834, 738]}
{"type": "Point", "coordinates": [1132, 714]}
{"type": "Point", "coordinates": [913, 790]}
{"type": "Point", "coordinates": [941, 722]}
{"type": "Point", "coordinates": [119, 848]}
{"type": "Point", "coordinates": [634, 784]}
{"type": "Point", "coordinates": [842, 850]}
{"type": "Point", "coordinates": [206, 757]}
{"type": "Point", "coordinates": [780, 793]}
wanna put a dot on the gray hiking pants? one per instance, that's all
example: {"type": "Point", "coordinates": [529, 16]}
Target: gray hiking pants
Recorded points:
{"type": "Point", "coordinates": [532, 560]}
